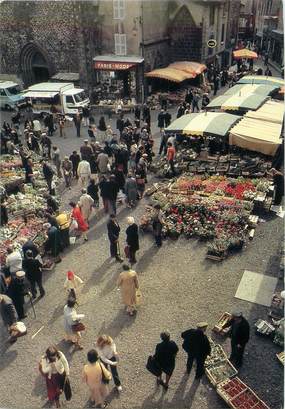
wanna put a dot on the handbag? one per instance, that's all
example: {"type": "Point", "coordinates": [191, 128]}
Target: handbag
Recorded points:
{"type": "Point", "coordinates": [153, 367]}
{"type": "Point", "coordinates": [105, 380]}
{"type": "Point", "coordinates": [127, 251]}
{"type": "Point", "coordinates": [67, 388]}
{"type": "Point", "coordinates": [78, 327]}
{"type": "Point", "coordinates": [138, 297]}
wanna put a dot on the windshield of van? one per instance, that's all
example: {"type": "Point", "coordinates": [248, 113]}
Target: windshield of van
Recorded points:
{"type": "Point", "coordinates": [81, 96]}
{"type": "Point", "coordinates": [14, 90]}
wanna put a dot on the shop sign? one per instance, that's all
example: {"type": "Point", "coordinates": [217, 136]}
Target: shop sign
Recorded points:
{"type": "Point", "coordinates": [211, 43]}
{"type": "Point", "coordinates": [113, 66]}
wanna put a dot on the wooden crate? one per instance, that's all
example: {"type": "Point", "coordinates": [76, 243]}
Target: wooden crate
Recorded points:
{"type": "Point", "coordinates": [224, 318]}
{"type": "Point", "coordinates": [281, 357]}
{"type": "Point", "coordinates": [240, 387]}
{"type": "Point", "coordinates": [215, 258]}
{"type": "Point", "coordinates": [228, 367]}
{"type": "Point", "coordinates": [256, 404]}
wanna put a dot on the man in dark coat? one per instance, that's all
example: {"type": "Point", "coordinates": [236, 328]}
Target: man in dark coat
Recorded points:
{"type": "Point", "coordinates": [146, 114]}
{"type": "Point", "coordinates": [17, 289]}
{"type": "Point", "coordinates": [113, 235]}
{"type": "Point", "coordinates": [120, 124]}
{"type": "Point", "coordinates": [132, 239]}
{"type": "Point", "coordinates": [30, 245]}
{"type": "Point", "coordinates": [7, 310]}
{"type": "Point", "coordinates": [112, 193]}
{"type": "Point", "coordinates": [75, 159]}
{"type": "Point", "coordinates": [103, 185]}
{"type": "Point", "coordinates": [161, 119]}
{"type": "Point", "coordinates": [239, 333]}
{"type": "Point", "coordinates": [167, 119]}
{"type": "Point", "coordinates": [197, 346]}
{"type": "Point", "coordinates": [33, 269]}
{"type": "Point", "coordinates": [165, 354]}
{"type": "Point", "coordinates": [48, 174]}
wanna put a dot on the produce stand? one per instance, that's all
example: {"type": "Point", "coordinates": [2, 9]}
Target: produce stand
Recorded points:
{"type": "Point", "coordinates": [222, 374]}
{"type": "Point", "coordinates": [26, 206]}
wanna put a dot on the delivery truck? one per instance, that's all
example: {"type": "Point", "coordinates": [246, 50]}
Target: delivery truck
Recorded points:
{"type": "Point", "coordinates": [60, 97]}
{"type": "Point", "coordinates": [10, 95]}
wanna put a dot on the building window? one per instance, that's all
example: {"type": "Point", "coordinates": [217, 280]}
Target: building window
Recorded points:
{"type": "Point", "coordinates": [120, 44]}
{"type": "Point", "coordinates": [119, 9]}
{"type": "Point", "coordinates": [212, 15]}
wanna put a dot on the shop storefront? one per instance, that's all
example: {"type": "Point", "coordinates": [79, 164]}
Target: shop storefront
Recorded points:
{"type": "Point", "coordinates": [119, 77]}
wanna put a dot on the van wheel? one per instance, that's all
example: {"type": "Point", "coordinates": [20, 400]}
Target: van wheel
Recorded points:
{"type": "Point", "coordinates": [8, 107]}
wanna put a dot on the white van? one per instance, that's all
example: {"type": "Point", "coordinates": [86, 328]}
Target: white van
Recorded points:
{"type": "Point", "coordinates": [61, 97]}
{"type": "Point", "coordinates": [10, 95]}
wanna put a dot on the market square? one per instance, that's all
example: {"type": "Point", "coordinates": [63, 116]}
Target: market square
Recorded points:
{"type": "Point", "coordinates": [142, 209]}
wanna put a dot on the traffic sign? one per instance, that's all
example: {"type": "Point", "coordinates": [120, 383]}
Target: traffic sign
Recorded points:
{"type": "Point", "coordinates": [211, 43]}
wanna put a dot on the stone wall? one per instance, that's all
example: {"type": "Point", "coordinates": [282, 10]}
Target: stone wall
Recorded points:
{"type": "Point", "coordinates": [54, 29]}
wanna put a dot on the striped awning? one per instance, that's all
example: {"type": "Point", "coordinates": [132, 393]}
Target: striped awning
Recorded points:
{"type": "Point", "coordinates": [191, 67]}
{"type": "Point", "coordinates": [270, 111]}
{"type": "Point", "coordinates": [245, 53]}
{"type": "Point", "coordinates": [237, 103]}
{"type": "Point", "coordinates": [206, 123]}
{"type": "Point", "coordinates": [246, 89]}
{"type": "Point", "coordinates": [256, 135]}
{"type": "Point", "coordinates": [170, 74]}
{"type": "Point", "coordinates": [261, 79]}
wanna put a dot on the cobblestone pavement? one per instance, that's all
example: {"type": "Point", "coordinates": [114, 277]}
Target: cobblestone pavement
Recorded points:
{"type": "Point", "coordinates": [179, 286]}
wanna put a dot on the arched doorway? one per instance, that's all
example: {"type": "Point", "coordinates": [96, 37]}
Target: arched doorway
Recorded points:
{"type": "Point", "coordinates": [40, 68]}
{"type": "Point", "coordinates": [186, 37]}
{"type": "Point", "coordinates": [35, 64]}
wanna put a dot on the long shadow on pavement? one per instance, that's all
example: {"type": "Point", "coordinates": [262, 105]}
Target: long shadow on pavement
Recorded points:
{"type": "Point", "coordinates": [120, 322]}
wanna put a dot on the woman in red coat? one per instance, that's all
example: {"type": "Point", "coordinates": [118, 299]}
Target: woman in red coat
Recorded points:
{"type": "Point", "coordinates": [77, 215]}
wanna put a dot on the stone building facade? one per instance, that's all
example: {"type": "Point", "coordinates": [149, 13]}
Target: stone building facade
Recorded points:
{"type": "Point", "coordinates": [41, 38]}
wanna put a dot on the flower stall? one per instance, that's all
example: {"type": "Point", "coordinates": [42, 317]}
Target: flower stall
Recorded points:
{"type": "Point", "coordinates": [215, 209]}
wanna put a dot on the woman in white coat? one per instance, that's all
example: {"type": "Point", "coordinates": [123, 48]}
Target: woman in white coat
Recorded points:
{"type": "Point", "coordinates": [71, 318]}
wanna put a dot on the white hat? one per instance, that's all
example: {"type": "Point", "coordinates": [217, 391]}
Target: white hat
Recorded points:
{"type": "Point", "coordinates": [130, 220]}
{"type": "Point", "coordinates": [20, 274]}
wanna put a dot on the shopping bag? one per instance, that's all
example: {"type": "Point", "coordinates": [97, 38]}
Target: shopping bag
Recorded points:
{"type": "Point", "coordinates": [73, 225]}
{"type": "Point", "coordinates": [78, 327]}
{"type": "Point", "coordinates": [138, 297]}
{"type": "Point", "coordinates": [153, 367]}
{"type": "Point", "coordinates": [127, 251]}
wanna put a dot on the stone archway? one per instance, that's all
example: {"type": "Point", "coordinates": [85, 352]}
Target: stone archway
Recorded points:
{"type": "Point", "coordinates": [35, 64]}
{"type": "Point", "coordinates": [186, 37]}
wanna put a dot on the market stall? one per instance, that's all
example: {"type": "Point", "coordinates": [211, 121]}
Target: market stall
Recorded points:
{"type": "Point", "coordinates": [270, 111]}
{"type": "Point", "coordinates": [245, 53]}
{"type": "Point", "coordinates": [26, 205]}
{"type": "Point", "coordinates": [191, 67]}
{"type": "Point", "coordinates": [170, 74]}
{"type": "Point", "coordinates": [246, 89]}
{"type": "Point", "coordinates": [256, 135]}
{"type": "Point", "coordinates": [214, 208]}
{"type": "Point", "coordinates": [237, 103]}
{"type": "Point", "coordinates": [200, 124]}
{"type": "Point", "coordinates": [261, 79]}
